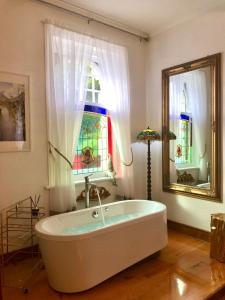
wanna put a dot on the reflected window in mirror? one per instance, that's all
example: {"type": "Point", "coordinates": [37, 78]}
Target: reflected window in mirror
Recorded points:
{"type": "Point", "coordinates": [189, 108]}
{"type": "Point", "coordinates": [191, 111]}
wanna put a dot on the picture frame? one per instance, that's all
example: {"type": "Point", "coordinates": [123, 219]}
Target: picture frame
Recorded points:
{"type": "Point", "coordinates": [14, 112]}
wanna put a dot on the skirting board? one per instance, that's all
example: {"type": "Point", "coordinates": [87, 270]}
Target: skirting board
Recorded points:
{"type": "Point", "coordinates": [192, 231]}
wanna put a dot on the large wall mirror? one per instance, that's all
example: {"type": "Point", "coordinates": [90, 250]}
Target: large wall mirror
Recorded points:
{"type": "Point", "coordinates": [191, 128]}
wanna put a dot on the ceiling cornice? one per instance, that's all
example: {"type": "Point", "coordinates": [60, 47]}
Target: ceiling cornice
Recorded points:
{"type": "Point", "coordinates": [91, 16]}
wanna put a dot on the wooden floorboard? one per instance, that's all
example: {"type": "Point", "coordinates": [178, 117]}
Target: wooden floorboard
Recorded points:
{"type": "Point", "coordinates": [183, 270]}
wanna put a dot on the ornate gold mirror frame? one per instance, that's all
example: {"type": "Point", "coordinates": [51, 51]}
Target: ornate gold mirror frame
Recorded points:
{"type": "Point", "coordinates": [212, 193]}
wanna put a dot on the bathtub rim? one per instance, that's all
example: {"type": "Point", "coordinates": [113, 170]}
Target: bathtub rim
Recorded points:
{"type": "Point", "coordinates": [44, 234]}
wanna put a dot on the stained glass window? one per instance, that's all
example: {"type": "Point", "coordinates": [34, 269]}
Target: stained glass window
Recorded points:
{"type": "Point", "coordinates": [184, 140]}
{"type": "Point", "coordinates": [92, 151]}
{"type": "Point", "coordinates": [95, 144]}
{"type": "Point", "coordinates": [183, 151]}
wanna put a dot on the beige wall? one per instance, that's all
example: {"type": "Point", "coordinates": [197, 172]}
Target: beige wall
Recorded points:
{"type": "Point", "coordinates": [22, 52]}
{"type": "Point", "coordinates": [188, 41]}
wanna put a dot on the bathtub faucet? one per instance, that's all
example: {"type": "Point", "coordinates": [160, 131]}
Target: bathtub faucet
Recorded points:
{"type": "Point", "coordinates": [87, 190]}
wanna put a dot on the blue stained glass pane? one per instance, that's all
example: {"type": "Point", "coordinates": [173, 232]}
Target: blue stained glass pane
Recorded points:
{"type": "Point", "coordinates": [184, 117]}
{"type": "Point", "coordinates": [95, 109]}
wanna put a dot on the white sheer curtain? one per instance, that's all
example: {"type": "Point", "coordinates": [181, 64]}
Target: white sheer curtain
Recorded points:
{"type": "Point", "coordinates": [176, 86]}
{"type": "Point", "coordinates": [115, 96]}
{"type": "Point", "coordinates": [197, 104]}
{"type": "Point", "coordinates": [68, 55]}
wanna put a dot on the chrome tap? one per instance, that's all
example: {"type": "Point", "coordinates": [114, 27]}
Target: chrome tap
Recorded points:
{"type": "Point", "coordinates": [87, 190]}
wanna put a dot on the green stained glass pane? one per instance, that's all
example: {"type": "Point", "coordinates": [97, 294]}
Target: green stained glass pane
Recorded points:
{"type": "Point", "coordinates": [90, 132]}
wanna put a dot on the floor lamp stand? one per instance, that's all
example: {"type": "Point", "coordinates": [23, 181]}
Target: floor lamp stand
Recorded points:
{"type": "Point", "coordinates": [148, 135]}
{"type": "Point", "coordinates": [149, 183]}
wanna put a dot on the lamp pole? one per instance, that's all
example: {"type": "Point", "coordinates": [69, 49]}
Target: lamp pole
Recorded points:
{"type": "Point", "coordinates": [149, 183]}
{"type": "Point", "coordinates": [148, 135]}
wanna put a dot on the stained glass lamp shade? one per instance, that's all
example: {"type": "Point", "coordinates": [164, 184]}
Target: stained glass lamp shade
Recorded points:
{"type": "Point", "coordinates": [148, 135]}
{"type": "Point", "coordinates": [172, 136]}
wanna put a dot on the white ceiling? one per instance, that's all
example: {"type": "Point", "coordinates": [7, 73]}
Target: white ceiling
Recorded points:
{"type": "Point", "coordinates": [150, 16]}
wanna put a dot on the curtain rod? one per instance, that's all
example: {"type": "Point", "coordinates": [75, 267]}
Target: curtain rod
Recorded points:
{"type": "Point", "coordinates": [92, 17]}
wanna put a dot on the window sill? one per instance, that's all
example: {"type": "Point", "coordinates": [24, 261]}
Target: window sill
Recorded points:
{"type": "Point", "coordinates": [187, 168]}
{"type": "Point", "coordinates": [99, 179]}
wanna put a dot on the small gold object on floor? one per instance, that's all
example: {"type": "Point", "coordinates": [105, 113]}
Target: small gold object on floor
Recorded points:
{"type": "Point", "coordinates": [217, 248]}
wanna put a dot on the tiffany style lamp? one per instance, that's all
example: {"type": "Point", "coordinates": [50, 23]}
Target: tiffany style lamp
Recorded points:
{"type": "Point", "coordinates": [172, 136]}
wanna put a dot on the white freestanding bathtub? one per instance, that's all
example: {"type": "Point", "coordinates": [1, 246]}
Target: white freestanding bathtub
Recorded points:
{"type": "Point", "coordinates": [79, 251]}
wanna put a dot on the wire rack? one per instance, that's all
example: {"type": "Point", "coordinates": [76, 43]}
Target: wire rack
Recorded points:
{"type": "Point", "coordinates": [20, 256]}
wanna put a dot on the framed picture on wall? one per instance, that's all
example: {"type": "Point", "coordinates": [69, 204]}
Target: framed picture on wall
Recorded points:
{"type": "Point", "coordinates": [14, 112]}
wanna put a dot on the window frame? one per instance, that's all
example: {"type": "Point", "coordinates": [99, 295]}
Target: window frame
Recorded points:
{"type": "Point", "coordinates": [93, 106]}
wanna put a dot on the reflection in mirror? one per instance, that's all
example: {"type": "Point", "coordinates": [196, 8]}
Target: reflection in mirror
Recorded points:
{"type": "Point", "coordinates": [191, 117]}
{"type": "Point", "coordinates": [189, 111]}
